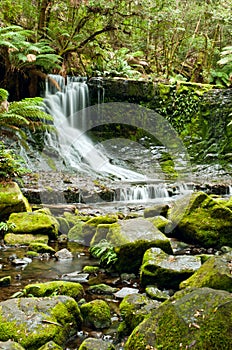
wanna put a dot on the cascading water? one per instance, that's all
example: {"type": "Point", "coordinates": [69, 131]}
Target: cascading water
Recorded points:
{"type": "Point", "coordinates": [76, 150]}
{"type": "Point", "coordinates": [67, 102]}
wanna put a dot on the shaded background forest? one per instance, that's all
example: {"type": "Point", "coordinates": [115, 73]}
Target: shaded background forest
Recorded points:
{"type": "Point", "coordinates": [161, 40]}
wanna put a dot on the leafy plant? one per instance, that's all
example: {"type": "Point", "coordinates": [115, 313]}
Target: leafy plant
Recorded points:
{"type": "Point", "coordinates": [3, 95]}
{"type": "Point", "coordinates": [27, 114]}
{"type": "Point", "coordinates": [105, 252]}
{"type": "Point", "coordinates": [11, 164]}
{"type": "Point", "coordinates": [5, 227]}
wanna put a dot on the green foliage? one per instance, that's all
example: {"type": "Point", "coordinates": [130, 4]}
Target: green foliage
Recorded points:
{"type": "Point", "coordinates": [3, 95]}
{"type": "Point", "coordinates": [27, 114]}
{"type": "Point", "coordinates": [5, 227]}
{"type": "Point", "coordinates": [105, 252]}
{"type": "Point", "coordinates": [11, 164]}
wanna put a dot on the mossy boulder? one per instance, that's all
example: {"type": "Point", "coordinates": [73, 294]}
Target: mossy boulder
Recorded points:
{"type": "Point", "coordinates": [24, 239]}
{"type": "Point", "coordinates": [71, 289]}
{"type": "Point", "coordinates": [96, 313]}
{"type": "Point", "coordinates": [134, 308]}
{"type": "Point", "coordinates": [12, 200]}
{"type": "Point", "coordinates": [131, 238]}
{"type": "Point", "coordinates": [96, 344]}
{"type": "Point", "coordinates": [102, 288]}
{"type": "Point", "coordinates": [51, 345]}
{"type": "Point", "coordinates": [205, 221]}
{"type": "Point", "coordinates": [41, 248]}
{"type": "Point", "coordinates": [64, 226]}
{"type": "Point", "coordinates": [167, 271]}
{"type": "Point", "coordinates": [215, 273]}
{"type": "Point", "coordinates": [160, 222]}
{"type": "Point", "coordinates": [32, 322]}
{"type": "Point", "coordinates": [101, 233]}
{"type": "Point", "coordinates": [156, 210]}
{"type": "Point", "coordinates": [34, 223]}
{"type": "Point", "coordinates": [198, 319]}
{"type": "Point", "coordinates": [75, 233]}
{"type": "Point", "coordinates": [10, 345]}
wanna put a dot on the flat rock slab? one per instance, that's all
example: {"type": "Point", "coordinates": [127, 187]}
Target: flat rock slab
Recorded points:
{"type": "Point", "coordinates": [167, 271]}
{"type": "Point", "coordinates": [122, 293]}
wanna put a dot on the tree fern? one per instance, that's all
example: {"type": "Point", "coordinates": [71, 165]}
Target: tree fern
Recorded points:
{"type": "Point", "coordinates": [27, 114]}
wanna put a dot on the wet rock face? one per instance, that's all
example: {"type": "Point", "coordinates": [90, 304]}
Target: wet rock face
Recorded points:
{"type": "Point", "coordinates": [34, 321]}
{"type": "Point", "coordinates": [198, 318]}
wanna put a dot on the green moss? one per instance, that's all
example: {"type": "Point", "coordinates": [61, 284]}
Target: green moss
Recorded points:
{"type": "Point", "coordinates": [72, 289]}
{"type": "Point", "coordinates": [96, 313]}
{"type": "Point", "coordinates": [214, 273]}
{"type": "Point", "coordinates": [91, 269]}
{"type": "Point", "coordinates": [107, 219]}
{"type": "Point", "coordinates": [75, 233]}
{"type": "Point", "coordinates": [101, 233]}
{"type": "Point", "coordinates": [12, 200]}
{"type": "Point", "coordinates": [192, 319]}
{"type": "Point", "coordinates": [24, 239]}
{"type": "Point", "coordinates": [41, 248]}
{"type": "Point", "coordinates": [35, 223]}
{"type": "Point", "coordinates": [51, 345]}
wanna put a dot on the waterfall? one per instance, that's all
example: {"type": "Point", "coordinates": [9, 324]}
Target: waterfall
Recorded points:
{"type": "Point", "coordinates": [68, 105]}
{"type": "Point", "coordinates": [143, 192]}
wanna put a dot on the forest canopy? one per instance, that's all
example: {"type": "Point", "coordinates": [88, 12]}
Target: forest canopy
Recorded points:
{"type": "Point", "coordinates": [159, 39]}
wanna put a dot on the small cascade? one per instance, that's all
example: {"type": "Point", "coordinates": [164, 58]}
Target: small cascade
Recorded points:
{"type": "Point", "coordinates": [142, 193]}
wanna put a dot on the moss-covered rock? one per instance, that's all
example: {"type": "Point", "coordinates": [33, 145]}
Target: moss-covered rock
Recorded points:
{"type": "Point", "coordinates": [34, 223]}
{"type": "Point", "coordinates": [75, 233]}
{"type": "Point", "coordinates": [205, 221]}
{"type": "Point", "coordinates": [199, 319]}
{"type": "Point", "coordinates": [160, 222]}
{"type": "Point", "coordinates": [157, 294]}
{"type": "Point", "coordinates": [32, 322]}
{"type": "Point", "coordinates": [91, 269]}
{"type": "Point", "coordinates": [101, 233]}
{"type": "Point", "coordinates": [96, 344]}
{"type": "Point", "coordinates": [102, 288]}
{"type": "Point", "coordinates": [156, 210]}
{"type": "Point", "coordinates": [134, 308]}
{"type": "Point", "coordinates": [166, 271]}
{"type": "Point", "coordinates": [10, 345]}
{"type": "Point", "coordinates": [64, 226]}
{"type": "Point", "coordinates": [11, 200]}
{"type": "Point", "coordinates": [214, 273]}
{"type": "Point", "coordinates": [24, 239]}
{"type": "Point", "coordinates": [41, 248]}
{"type": "Point", "coordinates": [131, 238]}
{"type": "Point", "coordinates": [89, 228]}
{"type": "Point", "coordinates": [102, 219]}
{"type": "Point", "coordinates": [71, 289]}
{"type": "Point", "coordinates": [51, 345]}
{"type": "Point", "coordinates": [96, 313]}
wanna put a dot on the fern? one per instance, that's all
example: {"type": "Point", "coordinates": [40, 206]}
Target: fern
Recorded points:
{"type": "Point", "coordinates": [105, 252]}
{"type": "Point", "coordinates": [27, 114]}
